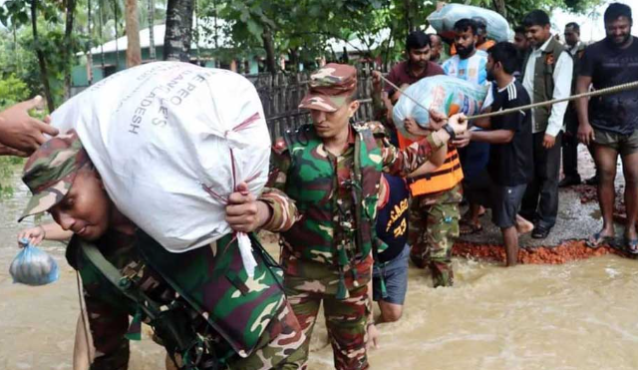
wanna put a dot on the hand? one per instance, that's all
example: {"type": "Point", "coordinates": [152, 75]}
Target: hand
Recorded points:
{"type": "Point", "coordinates": [22, 132]}
{"type": "Point", "coordinates": [437, 120]}
{"type": "Point", "coordinates": [462, 140]}
{"type": "Point", "coordinates": [413, 128]}
{"type": "Point", "coordinates": [5, 150]}
{"type": "Point", "coordinates": [34, 234]}
{"type": "Point", "coordinates": [244, 213]}
{"type": "Point", "coordinates": [585, 133]}
{"type": "Point", "coordinates": [458, 122]}
{"type": "Point", "coordinates": [373, 337]}
{"type": "Point", "coordinates": [377, 83]}
{"type": "Point", "coordinates": [549, 141]}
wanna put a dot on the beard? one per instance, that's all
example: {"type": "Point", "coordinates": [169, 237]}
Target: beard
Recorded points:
{"type": "Point", "coordinates": [490, 76]}
{"type": "Point", "coordinates": [620, 42]}
{"type": "Point", "coordinates": [463, 51]}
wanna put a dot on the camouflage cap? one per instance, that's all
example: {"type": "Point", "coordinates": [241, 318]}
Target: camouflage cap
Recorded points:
{"type": "Point", "coordinates": [330, 87]}
{"type": "Point", "coordinates": [50, 171]}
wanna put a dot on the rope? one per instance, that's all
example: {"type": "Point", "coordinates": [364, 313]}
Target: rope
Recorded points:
{"type": "Point", "coordinates": [606, 91]}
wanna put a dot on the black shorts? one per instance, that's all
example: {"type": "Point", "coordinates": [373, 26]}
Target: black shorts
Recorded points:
{"type": "Point", "coordinates": [506, 202]}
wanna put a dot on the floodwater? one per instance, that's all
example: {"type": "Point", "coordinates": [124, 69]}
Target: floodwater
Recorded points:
{"type": "Point", "coordinates": [581, 315]}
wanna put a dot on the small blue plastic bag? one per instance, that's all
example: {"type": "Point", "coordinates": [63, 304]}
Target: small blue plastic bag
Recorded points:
{"type": "Point", "coordinates": [33, 266]}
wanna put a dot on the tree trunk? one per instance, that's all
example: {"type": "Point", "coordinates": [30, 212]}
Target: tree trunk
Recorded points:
{"type": "Point", "coordinates": [117, 47]}
{"type": "Point", "coordinates": [44, 75]}
{"type": "Point", "coordinates": [150, 12]}
{"type": "Point", "coordinates": [68, 56]}
{"type": "Point", "coordinates": [133, 51]}
{"type": "Point", "coordinates": [499, 6]}
{"type": "Point", "coordinates": [179, 30]}
{"type": "Point", "coordinates": [271, 63]}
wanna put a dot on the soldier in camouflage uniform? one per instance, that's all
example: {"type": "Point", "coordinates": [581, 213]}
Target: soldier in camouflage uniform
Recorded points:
{"type": "Point", "coordinates": [204, 308]}
{"type": "Point", "coordinates": [434, 218]}
{"type": "Point", "coordinates": [322, 198]}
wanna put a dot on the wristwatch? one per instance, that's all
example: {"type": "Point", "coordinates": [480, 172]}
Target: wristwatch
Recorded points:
{"type": "Point", "coordinates": [450, 131]}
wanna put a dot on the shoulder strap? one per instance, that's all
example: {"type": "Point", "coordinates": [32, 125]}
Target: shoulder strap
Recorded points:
{"type": "Point", "coordinates": [122, 283]}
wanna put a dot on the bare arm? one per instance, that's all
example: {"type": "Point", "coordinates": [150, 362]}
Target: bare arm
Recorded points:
{"type": "Point", "coordinates": [492, 137]}
{"type": "Point", "coordinates": [585, 131]}
{"type": "Point", "coordinates": [50, 231]}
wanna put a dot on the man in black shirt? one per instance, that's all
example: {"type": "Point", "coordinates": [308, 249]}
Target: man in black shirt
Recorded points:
{"type": "Point", "coordinates": [511, 154]}
{"type": "Point", "coordinates": [610, 121]}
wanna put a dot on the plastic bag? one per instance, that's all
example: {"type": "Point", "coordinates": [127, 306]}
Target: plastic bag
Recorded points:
{"type": "Point", "coordinates": [33, 266]}
{"type": "Point", "coordinates": [443, 21]}
{"type": "Point", "coordinates": [445, 94]}
{"type": "Point", "coordinates": [171, 142]}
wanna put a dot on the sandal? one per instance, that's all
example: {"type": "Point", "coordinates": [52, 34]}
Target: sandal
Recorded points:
{"type": "Point", "coordinates": [632, 246]}
{"type": "Point", "coordinates": [469, 228]}
{"type": "Point", "coordinates": [597, 240]}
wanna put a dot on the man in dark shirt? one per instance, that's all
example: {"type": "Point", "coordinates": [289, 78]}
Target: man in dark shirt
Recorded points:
{"type": "Point", "coordinates": [610, 121]}
{"type": "Point", "coordinates": [511, 153]}
{"type": "Point", "coordinates": [391, 252]}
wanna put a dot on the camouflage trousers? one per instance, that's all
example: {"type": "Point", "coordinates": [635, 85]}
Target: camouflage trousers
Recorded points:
{"type": "Point", "coordinates": [346, 321]}
{"type": "Point", "coordinates": [433, 228]}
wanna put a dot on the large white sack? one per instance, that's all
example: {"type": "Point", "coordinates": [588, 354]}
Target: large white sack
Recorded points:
{"type": "Point", "coordinates": [443, 20]}
{"type": "Point", "coordinates": [161, 134]}
{"type": "Point", "coordinates": [441, 93]}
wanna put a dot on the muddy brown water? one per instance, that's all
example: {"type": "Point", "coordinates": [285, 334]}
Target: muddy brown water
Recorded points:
{"type": "Point", "coordinates": [581, 315]}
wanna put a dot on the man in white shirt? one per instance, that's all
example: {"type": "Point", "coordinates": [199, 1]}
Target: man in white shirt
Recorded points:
{"type": "Point", "coordinates": [547, 75]}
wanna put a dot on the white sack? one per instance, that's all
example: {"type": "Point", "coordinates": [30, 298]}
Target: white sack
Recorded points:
{"type": "Point", "coordinates": [161, 134]}
{"type": "Point", "coordinates": [497, 27]}
{"type": "Point", "coordinates": [441, 93]}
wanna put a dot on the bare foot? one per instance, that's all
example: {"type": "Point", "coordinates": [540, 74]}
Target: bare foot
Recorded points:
{"type": "Point", "coordinates": [523, 226]}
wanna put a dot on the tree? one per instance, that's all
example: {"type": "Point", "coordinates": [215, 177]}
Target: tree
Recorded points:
{"type": "Point", "coordinates": [133, 51]}
{"type": "Point", "coordinates": [179, 30]}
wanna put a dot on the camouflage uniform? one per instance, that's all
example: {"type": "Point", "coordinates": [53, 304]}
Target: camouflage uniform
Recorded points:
{"type": "Point", "coordinates": [325, 208]}
{"type": "Point", "coordinates": [246, 322]}
{"type": "Point", "coordinates": [434, 224]}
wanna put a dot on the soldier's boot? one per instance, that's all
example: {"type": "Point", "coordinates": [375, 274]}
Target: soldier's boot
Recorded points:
{"type": "Point", "coordinates": [442, 274]}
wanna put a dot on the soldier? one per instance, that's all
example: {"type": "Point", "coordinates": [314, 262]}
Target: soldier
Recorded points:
{"type": "Point", "coordinates": [328, 173]}
{"type": "Point", "coordinates": [202, 305]}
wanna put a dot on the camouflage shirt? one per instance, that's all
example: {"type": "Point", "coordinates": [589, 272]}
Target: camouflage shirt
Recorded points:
{"type": "Point", "coordinates": [298, 262]}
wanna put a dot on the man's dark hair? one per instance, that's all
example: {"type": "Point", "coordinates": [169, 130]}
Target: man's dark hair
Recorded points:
{"type": "Point", "coordinates": [481, 25]}
{"type": "Point", "coordinates": [519, 29]}
{"type": "Point", "coordinates": [617, 10]}
{"type": "Point", "coordinates": [536, 18]}
{"type": "Point", "coordinates": [417, 40]}
{"type": "Point", "coordinates": [505, 53]}
{"type": "Point", "coordinates": [465, 24]}
{"type": "Point", "coordinates": [574, 26]}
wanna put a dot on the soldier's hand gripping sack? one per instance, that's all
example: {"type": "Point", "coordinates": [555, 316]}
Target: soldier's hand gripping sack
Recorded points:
{"type": "Point", "coordinates": [171, 141]}
{"type": "Point", "coordinates": [444, 94]}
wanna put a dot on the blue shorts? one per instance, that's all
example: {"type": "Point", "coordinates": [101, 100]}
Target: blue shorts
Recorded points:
{"type": "Point", "coordinates": [395, 277]}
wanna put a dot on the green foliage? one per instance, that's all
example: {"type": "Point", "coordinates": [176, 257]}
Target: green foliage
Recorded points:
{"type": "Point", "coordinates": [12, 90]}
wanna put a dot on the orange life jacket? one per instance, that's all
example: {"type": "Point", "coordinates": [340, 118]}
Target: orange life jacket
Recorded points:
{"type": "Point", "coordinates": [446, 177]}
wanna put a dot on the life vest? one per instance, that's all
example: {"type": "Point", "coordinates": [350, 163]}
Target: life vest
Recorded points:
{"type": "Point", "coordinates": [446, 177]}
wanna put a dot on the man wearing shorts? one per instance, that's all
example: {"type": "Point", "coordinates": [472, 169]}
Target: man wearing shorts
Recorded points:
{"type": "Point", "coordinates": [510, 165]}
{"type": "Point", "coordinates": [610, 121]}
